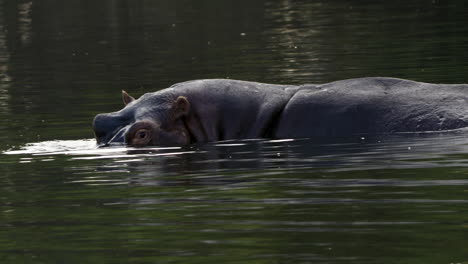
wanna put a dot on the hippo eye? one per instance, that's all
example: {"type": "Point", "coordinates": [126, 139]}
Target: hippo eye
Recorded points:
{"type": "Point", "coordinates": [142, 134]}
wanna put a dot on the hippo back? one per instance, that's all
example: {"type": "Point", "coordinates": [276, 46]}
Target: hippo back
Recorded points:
{"type": "Point", "coordinates": [373, 105]}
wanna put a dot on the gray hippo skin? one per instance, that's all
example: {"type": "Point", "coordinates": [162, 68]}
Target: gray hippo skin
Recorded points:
{"type": "Point", "coordinates": [212, 110]}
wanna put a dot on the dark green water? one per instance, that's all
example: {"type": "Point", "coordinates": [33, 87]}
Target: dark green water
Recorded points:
{"type": "Point", "coordinates": [386, 199]}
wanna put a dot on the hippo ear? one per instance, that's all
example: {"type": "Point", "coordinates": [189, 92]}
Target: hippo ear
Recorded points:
{"type": "Point", "coordinates": [127, 98]}
{"type": "Point", "coordinates": [181, 107]}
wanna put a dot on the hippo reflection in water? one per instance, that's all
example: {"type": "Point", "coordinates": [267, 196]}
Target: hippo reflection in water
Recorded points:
{"type": "Point", "coordinates": [212, 110]}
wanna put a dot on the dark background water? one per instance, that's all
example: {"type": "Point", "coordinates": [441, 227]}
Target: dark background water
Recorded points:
{"type": "Point", "coordinates": [399, 199]}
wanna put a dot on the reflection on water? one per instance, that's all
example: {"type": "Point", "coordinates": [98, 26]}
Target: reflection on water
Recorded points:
{"type": "Point", "coordinates": [341, 155]}
{"type": "Point", "coordinates": [296, 46]}
{"type": "Point", "coordinates": [4, 61]}
{"type": "Point", "coordinates": [25, 22]}
{"type": "Point", "coordinates": [331, 201]}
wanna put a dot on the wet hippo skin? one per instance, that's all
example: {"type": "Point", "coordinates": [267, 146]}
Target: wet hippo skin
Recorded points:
{"type": "Point", "coordinates": [217, 109]}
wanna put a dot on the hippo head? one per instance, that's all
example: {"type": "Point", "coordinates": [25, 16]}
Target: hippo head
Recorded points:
{"type": "Point", "coordinates": [153, 119]}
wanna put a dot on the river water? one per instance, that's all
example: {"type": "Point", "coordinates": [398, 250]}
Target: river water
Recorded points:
{"type": "Point", "coordinates": [362, 199]}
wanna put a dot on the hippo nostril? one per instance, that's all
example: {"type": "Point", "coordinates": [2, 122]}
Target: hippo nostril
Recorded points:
{"type": "Point", "coordinates": [111, 127]}
{"type": "Point", "coordinates": [107, 126]}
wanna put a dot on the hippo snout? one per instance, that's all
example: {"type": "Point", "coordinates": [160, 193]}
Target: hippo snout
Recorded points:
{"type": "Point", "coordinates": [108, 129]}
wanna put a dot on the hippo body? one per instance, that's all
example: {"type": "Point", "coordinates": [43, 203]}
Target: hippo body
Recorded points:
{"type": "Point", "coordinates": [213, 110]}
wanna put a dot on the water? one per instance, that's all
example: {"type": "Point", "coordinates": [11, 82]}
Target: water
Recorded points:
{"type": "Point", "coordinates": [362, 199]}
{"type": "Point", "coordinates": [392, 199]}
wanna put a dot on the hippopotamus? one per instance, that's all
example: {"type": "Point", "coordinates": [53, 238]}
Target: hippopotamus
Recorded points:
{"type": "Point", "coordinates": [224, 109]}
